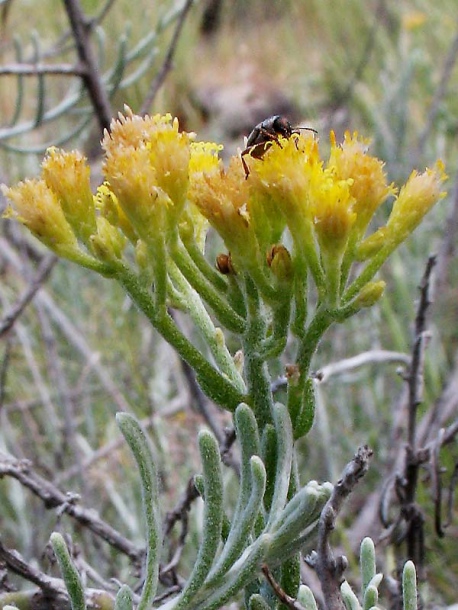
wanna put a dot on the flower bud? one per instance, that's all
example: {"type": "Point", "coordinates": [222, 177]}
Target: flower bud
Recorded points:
{"type": "Point", "coordinates": [369, 294]}
{"type": "Point", "coordinates": [280, 263]}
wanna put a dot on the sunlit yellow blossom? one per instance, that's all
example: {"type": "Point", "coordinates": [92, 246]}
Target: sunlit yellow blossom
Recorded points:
{"type": "Point", "coordinates": [170, 155]}
{"type": "Point", "coordinates": [267, 221]}
{"type": "Point", "coordinates": [350, 161]}
{"type": "Point", "coordinates": [38, 208]}
{"type": "Point", "coordinates": [162, 189]}
{"type": "Point", "coordinates": [68, 175]}
{"type": "Point", "coordinates": [285, 171]}
{"type": "Point", "coordinates": [222, 195]}
{"type": "Point", "coordinates": [415, 199]}
{"type": "Point", "coordinates": [133, 181]}
{"type": "Point", "coordinates": [282, 177]}
{"type": "Point", "coordinates": [333, 218]}
{"type": "Point", "coordinates": [204, 159]}
{"type": "Point", "coordinates": [204, 156]}
{"type": "Point", "coordinates": [158, 156]}
{"type": "Point", "coordinates": [331, 206]}
{"type": "Point", "coordinates": [130, 129]}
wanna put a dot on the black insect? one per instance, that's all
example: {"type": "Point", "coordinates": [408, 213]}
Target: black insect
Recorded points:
{"type": "Point", "coordinates": [264, 134]}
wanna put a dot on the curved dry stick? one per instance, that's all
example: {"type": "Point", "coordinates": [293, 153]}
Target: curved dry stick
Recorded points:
{"type": "Point", "coordinates": [159, 79]}
{"type": "Point", "coordinates": [40, 278]}
{"type": "Point", "coordinates": [329, 568]}
{"type": "Point", "coordinates": [91, 75]}
{"type": "Point", "coordinates": [53, 497]}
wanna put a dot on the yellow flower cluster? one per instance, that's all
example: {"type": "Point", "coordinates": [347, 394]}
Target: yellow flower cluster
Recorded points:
{"type": "Point", "coordinates": [160, 183]}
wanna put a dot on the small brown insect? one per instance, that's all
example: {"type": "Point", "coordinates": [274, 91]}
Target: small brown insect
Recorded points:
{"type": "Point", "coordinates": [264, 134]}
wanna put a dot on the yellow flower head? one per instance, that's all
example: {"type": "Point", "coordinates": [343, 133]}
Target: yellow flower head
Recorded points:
{"type": "Point", "coordinates": [204, 157]}
{"type": "Point", "coordinates": [221, 195]}
{"type": "Point", "coordinates": [280, 181]}
{"type": "Point", "coordinates": [415, 199]}
{"type": "Point", "coordinates": [38, 208]}
{"type": "Point", "coordinates": [160, 183]}
{"type": "Point", "coordinates": [368, 185]}
{"type": "Point", "coordinates": [284, 173]}
{"type": "Point", "coordinates": [420, 193]}
{"type": "Point", "coordinates": [147, 167]}
{"type": "Point", "coordinates": [68, 175]}
{"type": "Point", "coordinates": [133, 182]}
{"type": "Point", "coordinates": [331, 205]}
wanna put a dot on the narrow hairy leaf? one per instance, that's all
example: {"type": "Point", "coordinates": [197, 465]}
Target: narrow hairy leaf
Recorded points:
{"type": "Point", "coordinates": [367, 562]}
{"type": "Point", "coordinates": [284, 460]}
{"type": "Point", "coordinates": [138, 443]}
{"type": "Point", "coordinates": [69, 572]}
{"type": "Point", "coordinates": [409, 586]}
{"type": "Point", "coordinates": [124, 599]}
{"type": "Point", "coordinates": [213, 517]}
{"type": "Point", "coordinates": [243, 526]}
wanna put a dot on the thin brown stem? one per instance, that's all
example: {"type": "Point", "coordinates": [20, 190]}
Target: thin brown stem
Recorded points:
{"type": "Point", "coordinates": [285, 599]}
{"type": "Point", "coordinates": [40, 278]}
{"type": "Point", "coordinates": [52, 497]}
{"type": "Point", "coordinates": [329, 568]}
{"type": "Point", "coordinates": [415, 376]}
{"type": "Point", "coordinates": [167, 64]}
{"type": "Point", "coordinates": [91, 75]}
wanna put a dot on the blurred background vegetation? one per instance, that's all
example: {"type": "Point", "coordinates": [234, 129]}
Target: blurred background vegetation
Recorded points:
{"type": "Point", "coordinates": [80, 352]}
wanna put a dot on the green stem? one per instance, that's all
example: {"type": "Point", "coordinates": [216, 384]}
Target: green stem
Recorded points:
{"type": "Point", "coordinates": [256, 372]}
{"type": "Point", "coordinates": [300, 298]}
{"type": "Point", "coordinates": [207, 291]}
{"type": "Point", "coordinates": [214, 383]}
{"type": "Point", "coordinates": [158, 254]}
{"type": "Point", "coordinates": [210, 273]}
{"type": "Point", "coordinates": [318, 326]}
{"type": "Point", "coordinates": [276, 343]}
{"type": "Point", "coordinates": [368, 272]}
{"type": "Point", "coordinates": [331, 263]}
{"type": "Point", "coordinates": [304, 240]}
{"type": "Point", "coordinates": [189, 300]}
{"type": "Point", "coordinates": [83, 259]}
{"type": "Point", "coordinates": [300, 387]}
{"type": "Point", "coordinates": [262, 282]}
{"type": "Point", "coordinates": [235, 297]}
{"type": "Point", "coordinates": [348, 258]}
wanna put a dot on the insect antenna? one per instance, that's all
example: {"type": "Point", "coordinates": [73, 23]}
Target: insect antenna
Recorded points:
{"type": "Point", "coordinates": [306, 129]}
